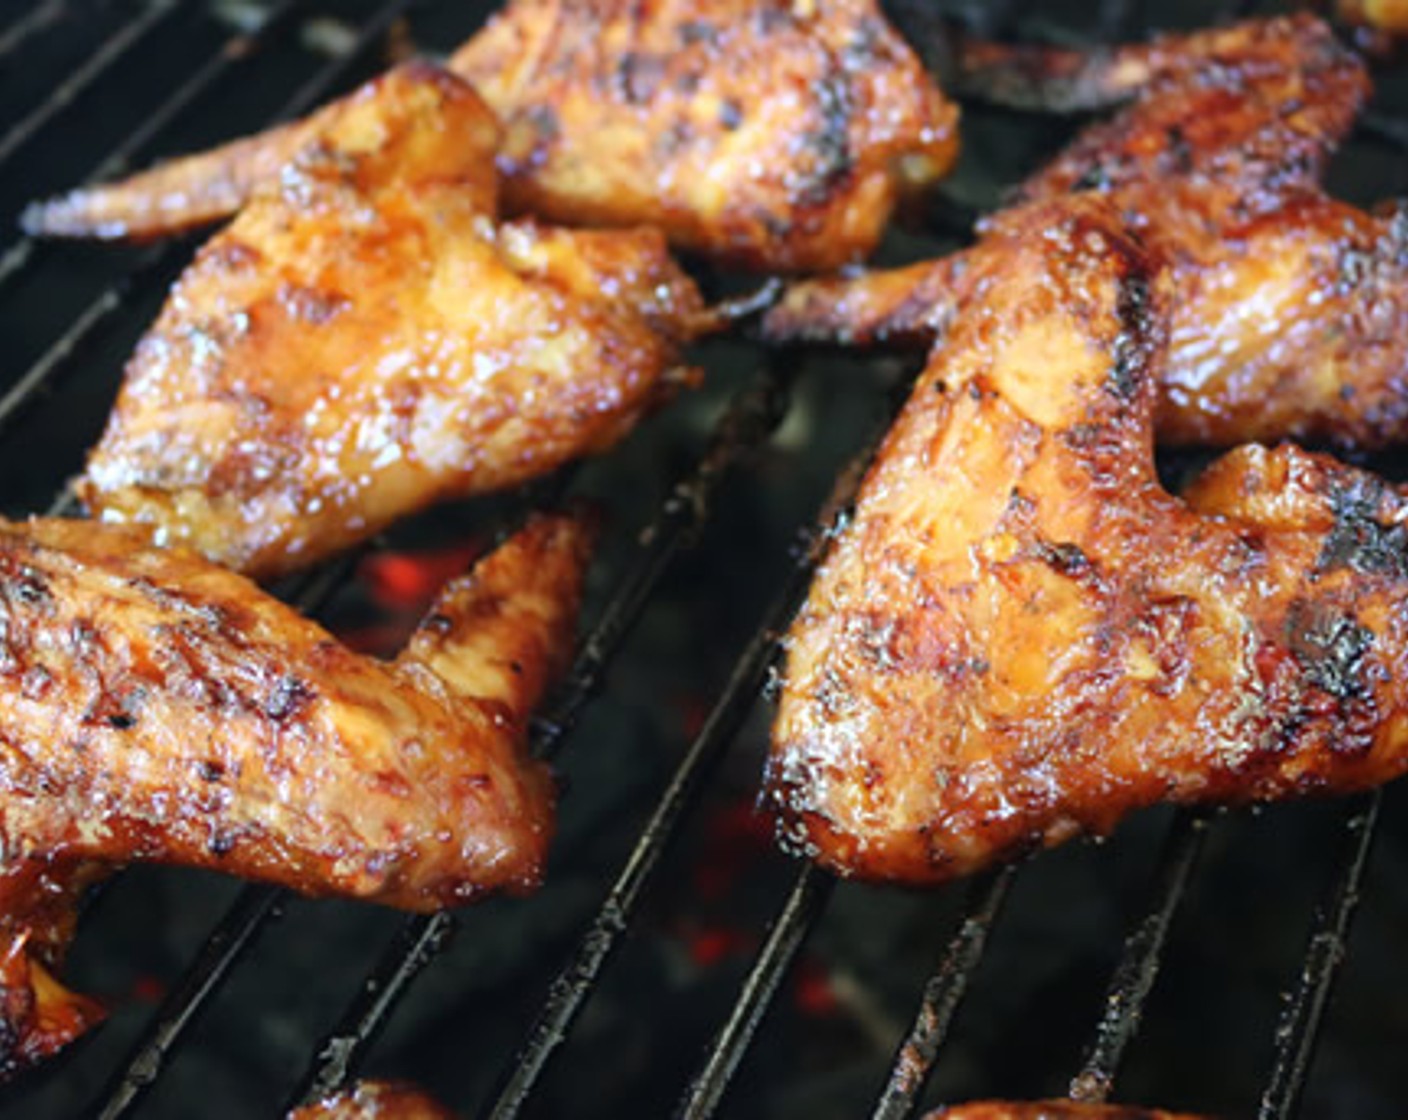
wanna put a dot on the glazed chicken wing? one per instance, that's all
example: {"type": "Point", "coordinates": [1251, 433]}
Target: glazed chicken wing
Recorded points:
{"type": "Point", "coordinates": [1050, 1110]}
{"type": "Point", "coordinates": [1020, 636]}
{"type": "Point", "coordinates": [761, 133]}
{"type": "Point", "coordinates": [364, 340]}
{"type": "Point", "coordinates": [160, 708]}
{"type": "Point", "coordinates": [1290, 317]}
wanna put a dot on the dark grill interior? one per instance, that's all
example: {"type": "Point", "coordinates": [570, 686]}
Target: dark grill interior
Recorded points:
{"type": "Point", "coordinates": [674, 960]}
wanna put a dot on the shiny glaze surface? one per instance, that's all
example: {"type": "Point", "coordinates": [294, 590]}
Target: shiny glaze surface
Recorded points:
{"type": "Point", "coordinates": [1290, 311]}
{"type": "Point", "coordinates": [160, 708]}
{"type": "Point", "coordinates": [1020, 636]}
{"type": "Point", "coordinates": [761, 133]}
{"type": "Point", "coordinates": [374, 1100]}
{"type": "Point", "coordinates": [364, 340]}
{"type": "Point", "coordinates": [1050, 1110]}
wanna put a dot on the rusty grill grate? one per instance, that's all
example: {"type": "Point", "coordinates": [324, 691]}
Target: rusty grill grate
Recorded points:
{"type": "Point", "coordinates": [328, 45]}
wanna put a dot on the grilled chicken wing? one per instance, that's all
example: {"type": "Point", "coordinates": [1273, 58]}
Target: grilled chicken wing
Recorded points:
{"type": "Point", "coordinates": [1050, 1110]}
{"type": "Point", "coordinates": [364, 340]}
{"type": "Point", "coordinates": [762, 133]}
{"type": "Point", "coordinates": [1290, 317]}
{"type": "Point", "coordinates": [160, 708]}
{"type": "Point", "coordinates": [1021, 636]}
{"type": "Point", "coordinates": [374, 1100]}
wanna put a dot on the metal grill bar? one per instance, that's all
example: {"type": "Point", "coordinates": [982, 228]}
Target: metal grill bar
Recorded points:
{"type": "Point", "coordinates": [29, 25]}
{"type": "Point", "coordinates": [804, 906]}
{"type": "Point", "coordinates": [748, 420]}
{"type": "Point", "coordinates": [418, 943]}
{"type": "Point", "coordinates": [113, 50]}
{"type": "Point", "coordinates": [1118, 19]}
{"type": "Point", "coordinates": [219, 66]}
{"type": "Point", "coordinates": [914, 1061]}
{"type": "Point", "coordinates": [1138, 968]}
{"type": "Point", "coordinates": [238, 929]}
{"type": "Point", "coordinates": [1299, 1028]}
{"type": "Point", "coordinates": [156, 263]}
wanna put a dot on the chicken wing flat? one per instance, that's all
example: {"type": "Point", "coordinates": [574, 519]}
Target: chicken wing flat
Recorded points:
{"type": "Point", "coordinates": [161, 708]}
{"type": "Point", "coordinates": [1051, 1110]}
{"type": "Point", "coordinates": [1290, 309]}
{"type": "Point", "coordinates": [364, 341]}
{"type": "Point", "coordinates": [1020, 636]}
{"type": "Point", "coordinates": [762, 133]}
{"type": "Point", "coordinates": [374, 1100]}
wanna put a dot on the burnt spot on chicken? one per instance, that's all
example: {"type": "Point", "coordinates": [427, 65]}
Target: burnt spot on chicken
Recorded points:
{"type": "Point", "coordinates": [1131, 347]}
{"type": "Point", "coordinates": [1330, 647]}
{"type": "Point", "coordinates": [1360, 540]}
{"type": "Point", "coordinates": [289, 698]}
{"type": "Point", "coordinates": [829, 143]}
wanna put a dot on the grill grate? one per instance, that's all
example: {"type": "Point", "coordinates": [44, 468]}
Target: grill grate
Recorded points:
{"type": "Point", "coordinates": [751, 419]}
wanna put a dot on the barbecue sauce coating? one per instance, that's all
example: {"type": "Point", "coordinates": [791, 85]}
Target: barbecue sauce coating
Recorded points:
{"type": "Point", "coordinates": [374, 1100]}
{"type": "Point", "coordinates": [1020, 636]}
{"type": "Point", "coordinates": [1051, 1110]}
{"type": "Point", "coordinates": [157, 707]}
{"type": "Point", "coordinates": [364, 341]}
{"type": "Point", "coordinates": [1290, 309]}
{"type": "Point", "coordinates": [766, 134]}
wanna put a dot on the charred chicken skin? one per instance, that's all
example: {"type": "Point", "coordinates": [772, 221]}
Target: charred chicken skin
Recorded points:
{"type": "Point", "coordinates": [374, 1100]}
{"type": "Point", "coordinates": [1290, 314]}
{"type": "Point", "coordinates": [760, 133]}
{"type": "Point", "coordinates": [160, 708]}
{"type": "Point", "coordinates": [364, 340]}
{"type": "Point", "coordinates": [1020, 636]}
{"type": "Point", "coordinates": [1051, 1110]}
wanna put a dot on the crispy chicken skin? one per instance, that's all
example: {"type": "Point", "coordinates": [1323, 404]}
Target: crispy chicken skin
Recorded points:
{"type": "Point", "coordinates": [1290, 311]}
{"type": "Point", "coordinates": [1020, 636]}
{"type": "Point", "coordinates": [760, 133]}
{"type": "Point", "coordinates": [364, 341]}
{"type": "Point", "coordinates": [161, 708]}
{"type": "Point", "coordinates": [1050, 1110]}
{"type": "Point", "coordinates": [374, 1100]}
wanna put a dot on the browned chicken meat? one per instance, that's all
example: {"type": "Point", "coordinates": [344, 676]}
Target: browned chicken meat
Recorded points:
{"type": "Point", "coordinates": [1051, 1110]}
{"type": "Point", "coordinates": [160, 708]}
{"type": "Point", "coordinates": [365, 340]}
{"type": "Point", "coordinates": [1290, 317]}
{"type": "Point", "coordinates": [1020, 636]}
{"type": "Point", "coordinates": [772, 134]}
{"type": "Point", "coordinates": [374, 1100]}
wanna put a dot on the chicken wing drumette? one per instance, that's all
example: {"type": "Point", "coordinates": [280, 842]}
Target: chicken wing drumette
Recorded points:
{"type": "Point", "coordinates": [762, 133]}
{"type": "Point", "coordinates": [1020, 636]}
{"type": "Point", "coordinates": [160, 708]}
{"type": "Point", "coordinates": [1290, 317]}
{"type": "Point", "coordinates": [364, 340]}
